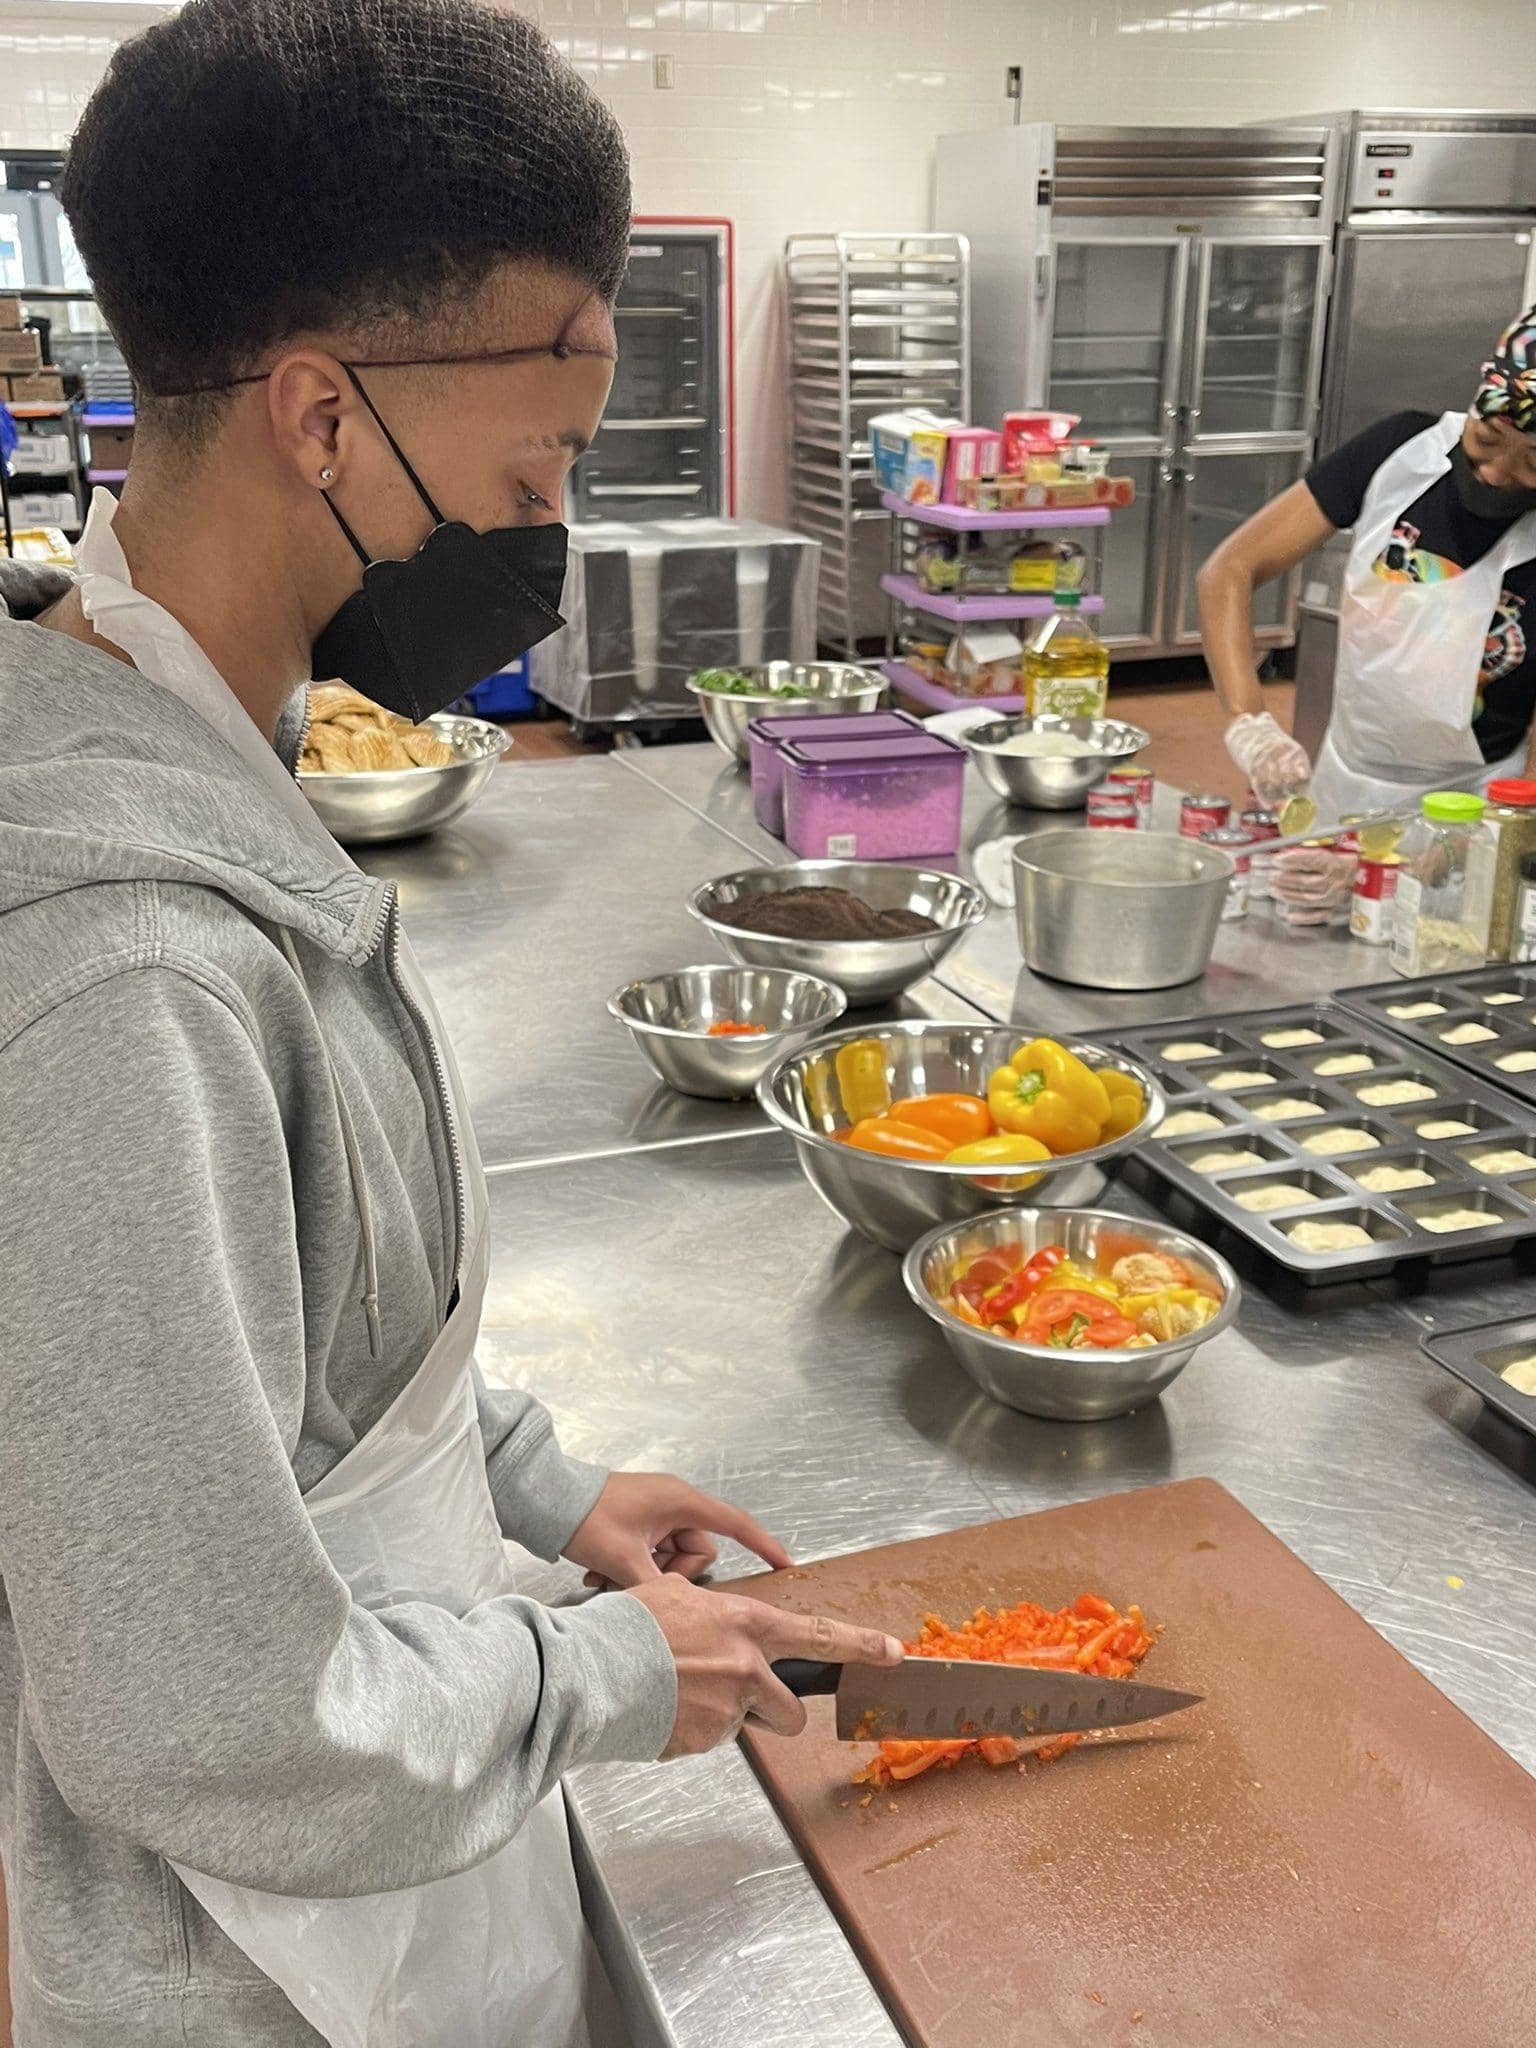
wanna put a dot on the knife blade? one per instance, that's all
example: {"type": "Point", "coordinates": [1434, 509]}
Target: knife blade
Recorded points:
{"type": "Point", "coordinates": [934, 1699]}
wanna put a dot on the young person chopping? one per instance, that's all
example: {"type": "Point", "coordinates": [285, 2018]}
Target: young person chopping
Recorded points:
{"type": "Point", "coordinates": [282, 1743]}
{"type": "Point", "coordinates": [1435, 682]}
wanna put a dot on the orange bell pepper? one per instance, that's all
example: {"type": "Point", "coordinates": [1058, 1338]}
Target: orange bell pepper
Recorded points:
{"type": "Point", "coordinates": [895, 1140]}
{"type": "Point", "coordinates": [960, 1118]}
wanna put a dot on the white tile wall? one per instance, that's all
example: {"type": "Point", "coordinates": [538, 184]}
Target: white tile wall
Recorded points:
{"type": "Point", "coordinates": [793, 115]}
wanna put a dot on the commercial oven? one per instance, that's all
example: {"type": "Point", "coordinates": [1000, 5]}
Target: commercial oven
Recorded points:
{"type": "Point", "coordinates": [1168, 285]}
{"type": "Point", "coordinates": [666, 447]}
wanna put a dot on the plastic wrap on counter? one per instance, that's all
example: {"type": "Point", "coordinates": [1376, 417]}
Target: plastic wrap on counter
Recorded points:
{"type": "Point", "coordinates": [648, 604]}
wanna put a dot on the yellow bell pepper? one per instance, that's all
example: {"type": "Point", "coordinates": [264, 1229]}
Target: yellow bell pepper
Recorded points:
{"type": "Point", "coordinates": [1046, 1092]}
{"type": "Point", "coordinates": [1005, 1148]}
{"type": "Point", "coordinates": [1127, 1102]}
{"type": "Point", "coordinates": [862, 1079]}
{"type": "Point", "coordinates": [1077, 1281]}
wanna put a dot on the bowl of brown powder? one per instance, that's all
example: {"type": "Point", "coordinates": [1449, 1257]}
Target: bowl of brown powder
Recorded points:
{"type": "Point", "coordinates": [870, 927]}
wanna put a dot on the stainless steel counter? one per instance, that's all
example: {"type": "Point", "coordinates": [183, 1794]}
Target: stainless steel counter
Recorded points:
{"type": "Point", "coordinates": [564, 882]}
{"type": "Point", "coordinates": [690, 1304]}
{"type": "Point", "coordinates": [1257, 962]}
{"type": "Point", "coordinates": [775, 1359]}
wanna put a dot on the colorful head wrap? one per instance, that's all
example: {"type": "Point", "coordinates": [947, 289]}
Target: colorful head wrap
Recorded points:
{"type": "Point", "coordinates": [1508, 389]}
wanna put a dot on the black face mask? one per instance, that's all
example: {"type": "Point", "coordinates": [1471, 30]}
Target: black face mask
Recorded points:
{"type": "Point", "coordinates": [420, 632]}
{"type": "Point", "coordinates": [1486, 501]}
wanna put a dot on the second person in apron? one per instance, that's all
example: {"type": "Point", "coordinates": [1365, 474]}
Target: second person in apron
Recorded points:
{"type": "Point", "coordinates": [1435, 679]}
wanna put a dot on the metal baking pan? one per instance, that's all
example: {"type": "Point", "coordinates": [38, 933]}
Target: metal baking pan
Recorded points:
{"type": "Point", "coordinates": [1278, 1152]}
{"type": "Point", "coordinates": [1479, 1355]}
{"type": "Point", "coordinates": [1500, 1000]}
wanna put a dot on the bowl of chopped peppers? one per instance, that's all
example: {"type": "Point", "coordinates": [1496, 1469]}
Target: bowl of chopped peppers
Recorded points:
{"type": "Point", "coordinates": [907, 1126]}
{"type": "Point", "coordinates": [715, 1031]}
{"type": "Point", "coordinates": [1072, 1314]}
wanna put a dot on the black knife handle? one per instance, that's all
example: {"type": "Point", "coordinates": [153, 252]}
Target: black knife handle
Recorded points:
{"type": "Point", "coordinates": [804, 1677]}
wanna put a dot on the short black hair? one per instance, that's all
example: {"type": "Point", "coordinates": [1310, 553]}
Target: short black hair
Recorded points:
{"type": "Point", "coordinates": [253, 169]}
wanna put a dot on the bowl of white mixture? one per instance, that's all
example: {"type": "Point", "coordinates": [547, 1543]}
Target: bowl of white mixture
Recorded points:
{"type": "Point", "coordinates": [1050, 764]}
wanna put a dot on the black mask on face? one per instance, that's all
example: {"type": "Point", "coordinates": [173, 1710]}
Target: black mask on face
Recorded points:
{"type": "Point", "coordinates": [420, 632]}
{"type": "Point", "coordinates": [1486, 501]}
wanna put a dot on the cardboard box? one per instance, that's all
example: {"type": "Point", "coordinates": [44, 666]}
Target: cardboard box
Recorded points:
{"type": "Point", "coordinates": [10, 314]}
{"type": "Point", "coordinates": [21, 351]}
{"type": "Point", "coordinates": [907, 450]}
{"type": "Point", "coordinates": [36, 387]}
{"type": "Point", "coordinates": [110, 446]}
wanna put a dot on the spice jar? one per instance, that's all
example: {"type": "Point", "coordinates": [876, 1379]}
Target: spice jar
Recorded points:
{"type": "Point", "coordinates": [1444, 888]}
{"type": "Point", "coordinates": [1511, 815]}
{"type": "Point", "coordinates": [1524, 947]}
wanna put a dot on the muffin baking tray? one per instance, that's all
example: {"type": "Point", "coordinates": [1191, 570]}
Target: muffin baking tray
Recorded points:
{"type": "Point", "coordinates": [1498, 1000]}
{"type": "Point", "coordinates": [1452, 1131]}
{"type": "Point", "coordinates": [1482, 1354]}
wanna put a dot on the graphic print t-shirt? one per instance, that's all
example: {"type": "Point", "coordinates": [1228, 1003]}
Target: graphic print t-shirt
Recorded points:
{"type": "Point", "coordinates": [1434, 540]}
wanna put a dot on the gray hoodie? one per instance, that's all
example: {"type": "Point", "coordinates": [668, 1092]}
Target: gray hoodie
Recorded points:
{"type": "Point", "coordinates": [183, 1353]}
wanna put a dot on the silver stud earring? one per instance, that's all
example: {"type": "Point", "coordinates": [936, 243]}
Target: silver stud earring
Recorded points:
{"type": "Point", "coordinates": [327, 476]}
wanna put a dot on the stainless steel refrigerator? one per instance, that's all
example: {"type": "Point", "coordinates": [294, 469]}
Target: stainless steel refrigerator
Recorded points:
{"type": "Point", "coordinates": [1434, 255]}
{"type": "Point", "coordinates": [1169, 286]}
{"type": "Point", "coordinates": [665, 449]}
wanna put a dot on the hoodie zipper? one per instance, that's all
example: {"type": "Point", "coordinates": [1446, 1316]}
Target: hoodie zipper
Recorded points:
{"type": "Point", "coordinates": [391, 909]}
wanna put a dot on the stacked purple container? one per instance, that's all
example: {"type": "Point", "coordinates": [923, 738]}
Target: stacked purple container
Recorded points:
{"type": "Point", "coordinates": [767, 736]}
{"type": "Point", "coordinates": [896, 798]}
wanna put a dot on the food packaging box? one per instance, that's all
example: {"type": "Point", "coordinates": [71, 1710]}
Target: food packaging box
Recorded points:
{"type": "Point", "coordinates": [35, 387]}
{"type": "Point", "coordinates": [110, 447]}
{"type": "Point", "coordinates": [10, 315]}
{"type": "Point", "coordinates": [984, 661]}
{"type": "Point", "coordinates": [767, 737]}
{"type": "Point", "coordinates": [41, 454]}
{"type": "Point", "coordinates": [908, 450]}
{"type": "Point", "coordinates": [973, 451]}
{"type": "Point", "coordinates": [21, 350]}
{"type": "Point", "coordinates": [44, 508]}
{"type": "Point", "coordinates": [1034, 433]}
{"type": "Point", "coordinates": [892, 799]}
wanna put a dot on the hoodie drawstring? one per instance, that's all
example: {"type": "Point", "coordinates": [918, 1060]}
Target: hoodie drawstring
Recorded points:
{"type": "Point", "coordinates": [354, 1164]}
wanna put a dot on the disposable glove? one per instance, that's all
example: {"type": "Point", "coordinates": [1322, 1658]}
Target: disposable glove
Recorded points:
{"type": "Point", "coordinates": [1312, 881]}
{"type": "Point", "coordinates": [1276, 765]}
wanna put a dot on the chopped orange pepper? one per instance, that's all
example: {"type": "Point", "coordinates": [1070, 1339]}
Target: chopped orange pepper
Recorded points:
{"type": "Point", "coordinates": [1090, 1635]}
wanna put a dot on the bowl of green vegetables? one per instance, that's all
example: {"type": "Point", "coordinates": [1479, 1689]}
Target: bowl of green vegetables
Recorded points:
{"type": "Point", "coordinates": [730, 698]}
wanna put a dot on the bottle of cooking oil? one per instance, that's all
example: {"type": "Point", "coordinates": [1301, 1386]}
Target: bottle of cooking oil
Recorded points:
{"type": "Point", "coordinates": [1066, 665]}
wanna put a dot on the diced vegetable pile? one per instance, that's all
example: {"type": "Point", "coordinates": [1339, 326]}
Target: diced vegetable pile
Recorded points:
{"type": "Point", "coordinates": [1090, 1636]}
{"type": "Point", "coordinates": [1146, 1297]}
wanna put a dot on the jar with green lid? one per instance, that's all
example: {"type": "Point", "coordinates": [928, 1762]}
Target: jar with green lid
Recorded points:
{"type": "Point", "coordinates": [1444, 887]}
{"type": "Point", "coordinates": [1511, 817]}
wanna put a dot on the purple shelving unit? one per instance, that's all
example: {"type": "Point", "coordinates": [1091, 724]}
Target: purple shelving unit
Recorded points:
{"type": "Point", "coordinates": [1018, 604]}
{"type": "Point", "coordinates": [934, 697]}
{"type": "Point", "coordinates": [961, 519]}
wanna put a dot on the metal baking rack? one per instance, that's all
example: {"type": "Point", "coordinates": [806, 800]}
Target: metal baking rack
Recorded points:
{"type": "Point", "coordinates": [1499, 1000]}
{"type": "Point", "coordinates": [1338, 1105]}
{"type": "Point", "coordinates": [1479, 1355]}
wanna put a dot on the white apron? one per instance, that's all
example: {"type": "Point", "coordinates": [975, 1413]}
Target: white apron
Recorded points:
{"type": "Point", "coordinates": [495, 1956]}
{"type": "Point", "coordinates": [1405, 679]}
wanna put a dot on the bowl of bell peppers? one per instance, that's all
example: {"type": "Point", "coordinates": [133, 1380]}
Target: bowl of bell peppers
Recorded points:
{"type": "Point", "coordinates": [1072, 1314]}
{"type": "Point", "coordinates": [905, 1126]}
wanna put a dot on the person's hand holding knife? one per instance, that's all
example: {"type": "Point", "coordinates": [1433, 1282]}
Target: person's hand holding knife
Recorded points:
{"type": "Point", "coordinates": [652, 1535]}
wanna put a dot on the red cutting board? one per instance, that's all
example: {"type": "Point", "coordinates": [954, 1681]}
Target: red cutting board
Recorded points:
{"type": "Point", "coordinates": [1326, 1851]}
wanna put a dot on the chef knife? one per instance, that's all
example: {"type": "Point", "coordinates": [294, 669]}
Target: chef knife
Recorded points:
{"type": "Point", "coordinates": [934, 1699]}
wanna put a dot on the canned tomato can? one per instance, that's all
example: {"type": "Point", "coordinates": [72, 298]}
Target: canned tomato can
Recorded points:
{"type": "Point", "coordinates": [1374, 902]}
{"type": "Point", "coordinates": [1260, 825]}
{"type": "Point", "coordinates": [1114, 810]}
{"type": "Point", "coordinates": [1140, 783]}
{"type": "Point", "coordinates": [1234, 840]}
{"type": "Point", "coordinates": [1201, 814]}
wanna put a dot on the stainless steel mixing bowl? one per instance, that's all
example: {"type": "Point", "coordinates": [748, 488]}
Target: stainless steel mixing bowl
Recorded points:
{"type": "Point", "coordinates": [1118, 909]}
{"type": "Point", "coordinates": [820, 686]}
{"type": "Point", "coordinates": [1047, 782]}
{"type": "Point", "coordinates": [868, 971]}
{"type": "Point", "coordinates": [893, 1201]}
{"type": "Point", "coordinates": [1068, 1386]}
{"type": "Point", "coordinates": [403, 803]}
{"type": "Point", "coordinates": [668, 1016]}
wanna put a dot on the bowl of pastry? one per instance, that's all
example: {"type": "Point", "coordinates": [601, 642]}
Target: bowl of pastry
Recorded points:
{"type": "Point", "coordinates": [372, 775]}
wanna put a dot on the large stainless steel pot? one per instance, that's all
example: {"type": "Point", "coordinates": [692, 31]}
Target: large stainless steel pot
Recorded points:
{"type": "Point", "coordinates": [1118, 909]}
